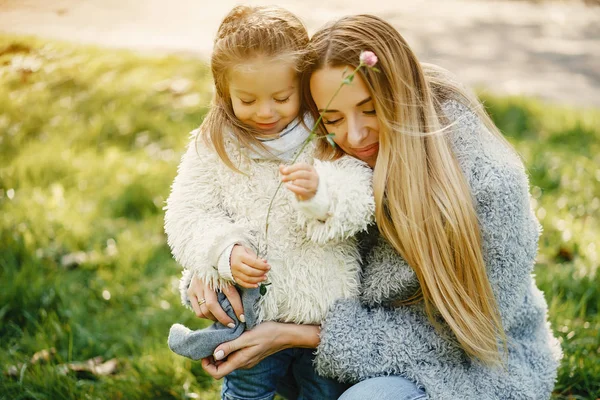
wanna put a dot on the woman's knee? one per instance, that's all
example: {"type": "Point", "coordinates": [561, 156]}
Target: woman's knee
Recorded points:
{"type": "Point", "coordinates": [384, 388]}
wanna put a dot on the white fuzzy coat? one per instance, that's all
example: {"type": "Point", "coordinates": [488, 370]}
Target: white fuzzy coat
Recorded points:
{"type": "Point", "coordinates": [314, 261]}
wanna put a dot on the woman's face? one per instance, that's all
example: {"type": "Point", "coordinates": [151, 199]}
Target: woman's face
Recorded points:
{"type": "Point", "coordinates": [351, 114]}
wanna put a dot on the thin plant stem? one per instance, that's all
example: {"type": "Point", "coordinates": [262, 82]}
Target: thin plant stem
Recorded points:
{"type": "Point", "coordinates": [310, 137]}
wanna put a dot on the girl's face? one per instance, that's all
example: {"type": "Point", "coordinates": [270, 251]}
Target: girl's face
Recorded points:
{"type": "Point", "coordinates": [351, 114]}
{"type": "Point", "coordinates": [265, 94]}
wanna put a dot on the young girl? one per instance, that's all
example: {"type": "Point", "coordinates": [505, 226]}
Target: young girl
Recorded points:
{"type": "Point", "coordinates": [215, 218]}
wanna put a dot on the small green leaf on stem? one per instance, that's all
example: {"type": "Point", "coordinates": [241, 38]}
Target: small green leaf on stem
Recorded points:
{"type": "Point", "coordinates": [329, 137]}
{"type": "Point", "coordinates": [263, 288]}
{"type": "Point", "coordinates": [348, 80]}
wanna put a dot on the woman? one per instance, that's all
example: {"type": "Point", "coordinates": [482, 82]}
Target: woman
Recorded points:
{"type": "Point", "coordinates": [448, 308]}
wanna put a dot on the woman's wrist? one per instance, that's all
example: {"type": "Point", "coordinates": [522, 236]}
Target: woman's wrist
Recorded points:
{"type": "Point", "coordinates": [294, 335]}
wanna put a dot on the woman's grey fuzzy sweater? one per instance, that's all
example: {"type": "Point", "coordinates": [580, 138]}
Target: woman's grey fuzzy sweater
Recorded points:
{"type": "Point", "coordinates": [368, 337]}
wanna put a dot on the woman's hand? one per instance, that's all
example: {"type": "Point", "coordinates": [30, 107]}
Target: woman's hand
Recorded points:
{"type": "Point", "coordinates": [302, 180]}
{"type": "Point", "coordinates": [210, 307]}
{"type": "Point", "coordinates": [255, 345]}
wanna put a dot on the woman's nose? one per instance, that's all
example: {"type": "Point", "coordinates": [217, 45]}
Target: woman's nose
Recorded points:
{"type": "Point", "coordinates": [357, 132]}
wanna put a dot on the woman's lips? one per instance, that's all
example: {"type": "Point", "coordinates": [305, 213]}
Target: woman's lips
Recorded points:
{"type": "Point", "coordinates": [367, 151]}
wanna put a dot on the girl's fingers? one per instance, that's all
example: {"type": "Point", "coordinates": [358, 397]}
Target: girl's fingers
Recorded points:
{"type": "Point", "coordinates": [254, 279]}
{"type": "Point", "coordinates": [250, 271]}
{"type": "Point", "coordinates": [254, 262]}
{"type": "Point", "coordinates": [296, 171]}
{"type": "Point", "coordinates": [297, 175]}
{"type": "Point", "coordinates": [304, 183]}
{"type": "Point", "coordinates": [299, 191]}
{"type": "Point", "coordinates": [287, 169]}
{"type": "Point", "coordinates": [249, 280]}
{"type": "Point", "coordinates": [244, 284]}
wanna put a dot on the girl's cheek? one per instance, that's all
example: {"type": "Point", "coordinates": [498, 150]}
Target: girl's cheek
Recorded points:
{"type": "Point", "coordinates": [241, 112]}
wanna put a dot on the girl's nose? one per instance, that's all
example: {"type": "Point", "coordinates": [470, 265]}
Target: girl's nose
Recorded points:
{"type": "Point", "coordinates": [264, 110]}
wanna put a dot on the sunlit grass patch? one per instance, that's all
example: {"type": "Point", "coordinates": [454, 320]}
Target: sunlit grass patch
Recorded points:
{"type": "Point", "coordinates": [90, 140]}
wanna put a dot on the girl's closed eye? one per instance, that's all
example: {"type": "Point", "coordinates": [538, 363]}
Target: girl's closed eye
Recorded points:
{"type": "Point", "coordinates": [281, 101]}
{"type": "Point", "coordinates": [370, 112]}
{"type": "Point", "coordinates": [247, 102]}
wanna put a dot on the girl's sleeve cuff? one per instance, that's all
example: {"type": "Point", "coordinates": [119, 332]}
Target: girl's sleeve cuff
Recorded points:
{"type": "Point", "coordinates": [224, 263]}
{"type": "Point", "coordinates": [318, 206]}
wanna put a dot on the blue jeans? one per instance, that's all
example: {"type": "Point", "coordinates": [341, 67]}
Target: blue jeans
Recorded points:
{"type": "Point", "coordinates": [384, 388]}
{"type": "Point", "coordinates": [290, 367]}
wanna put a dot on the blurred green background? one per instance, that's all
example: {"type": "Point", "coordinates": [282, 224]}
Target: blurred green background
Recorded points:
{"type": "Point", "coordinates": [90, 140]}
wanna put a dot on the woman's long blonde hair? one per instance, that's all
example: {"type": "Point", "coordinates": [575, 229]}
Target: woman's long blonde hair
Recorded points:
{"type": "Point", "coordinates": [424, 205]}
{"type": "Point", "coordinates": [245, 34]}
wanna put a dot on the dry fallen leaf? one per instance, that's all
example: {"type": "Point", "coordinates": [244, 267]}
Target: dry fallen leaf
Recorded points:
{"type": "Point", "coordinates": [14, 370]}
{"type": "Point", "coordinates": [43, 355]}
{"type": "Point", "coordinates": [91, 368]}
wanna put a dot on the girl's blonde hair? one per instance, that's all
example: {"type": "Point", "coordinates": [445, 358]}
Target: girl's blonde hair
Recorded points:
{"type": "Point", "coordinates": [424, 206]}
{"type": "Point", "coordinates": [245, 34]}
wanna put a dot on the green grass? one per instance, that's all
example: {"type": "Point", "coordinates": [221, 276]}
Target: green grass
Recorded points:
{"type": "Point", "coordinates": [90, 140]}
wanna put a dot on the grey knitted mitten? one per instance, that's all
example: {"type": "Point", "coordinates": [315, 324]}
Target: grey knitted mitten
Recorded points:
{"type": "Point", "coordinates": [203, 342]}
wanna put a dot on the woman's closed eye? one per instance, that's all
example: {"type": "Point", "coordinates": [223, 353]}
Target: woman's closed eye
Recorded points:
{"type": "Point", "coordinates": [327, 121]}
{"type": "Point", "coordinates": [331, 121]}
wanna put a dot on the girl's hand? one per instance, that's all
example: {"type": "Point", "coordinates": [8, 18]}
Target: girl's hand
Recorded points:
{"type": "Point", "coordinates": [247, 269]}
{"type": "Point", "coordinates": [210, 307]}
{"type": "Point", "coordinates": [253, 346]}
{"type": "Point", "coordinates": [302, 180]}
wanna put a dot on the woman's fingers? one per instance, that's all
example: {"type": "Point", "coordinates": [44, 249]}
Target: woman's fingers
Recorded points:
{"type": "Point", "coordinates": [214, 308]}
{"type": "Point", "coordinates": [195, 305]}
{"type": "Point", "coordinates": [210, 367]}
{"type": "Point", "coordinates": [195, 292]}
{"type": "Point", "coordinates": [247, 350]}
{"type": "Point", "coordinates": [225, 349]}
{"type": "Point", "coordinates": [235, 300]}
{"type": "Point", "coordinates": [231, 358]}
{"type": "Point", "coordinates": [217, 369]}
